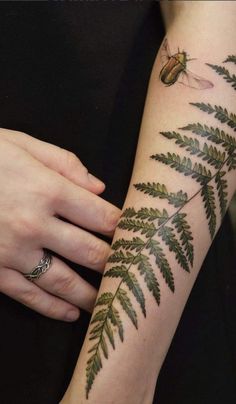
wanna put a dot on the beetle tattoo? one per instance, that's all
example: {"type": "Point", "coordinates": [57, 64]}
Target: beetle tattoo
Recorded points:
{"type": "Point", "coordinates": [175, 70]}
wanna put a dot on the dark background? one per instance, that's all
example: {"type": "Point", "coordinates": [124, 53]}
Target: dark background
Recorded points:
{"type": "Point", "coordinates": [75, 74]}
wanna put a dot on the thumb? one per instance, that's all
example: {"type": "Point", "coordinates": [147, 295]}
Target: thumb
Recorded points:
{"type": "Point", "coordinates": [63, 161]}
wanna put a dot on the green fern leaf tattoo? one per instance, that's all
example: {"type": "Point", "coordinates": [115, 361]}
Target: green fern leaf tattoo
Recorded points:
{"type": "Point", "coordinates": [131, 281]}
{"type": "Point", "coordinates": [168, 236]}
{"type": "Point", "coordinates": [221, 184]}
{"type": "Point", "coordinates": [215, 135]}
{"type": "Point", "coordinates": [210, 207]}
{"type": "Point", "coordinates": [145, 269]}
{"type": "Point", "coordinates": [230, 58]}
{"type": "Point", "coordinates": [125, 302]}
{"type": "Point", "coordinates": [182, 226]}
{"type": "Point", "coordinates": [209, 153]}
{"type": "Point", "coordinates": [135, 244]}
{"type": "Point", "coordinates": [114, 317]}
{"type": "Point", "coordinates": [146, 228]}
{"type": "Point", "coordinates": [120, 256]}
{"type": "Point", "coordinates": [104, 299]}
{"type": "Point", "coordinates": [206, 157]}
{"type": "Point", "coordinates": [184, 165]}
{"type": "Point", "coordinates": [225, 73]}
{"type": "Point", "coordinates": [159, 190]}
{"type": "Point", "coordinates": [220, 113]}
{"type": "Point", "coordinates": [155, 249]}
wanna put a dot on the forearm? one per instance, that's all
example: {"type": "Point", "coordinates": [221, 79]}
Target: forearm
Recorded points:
{"type": "Point", "coordinates": [166, 230]}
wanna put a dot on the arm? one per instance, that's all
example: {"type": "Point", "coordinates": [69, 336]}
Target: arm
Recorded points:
{"type": "Point", "coordinates": [182, 182]}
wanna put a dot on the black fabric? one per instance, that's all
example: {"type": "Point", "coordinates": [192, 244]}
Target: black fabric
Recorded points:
{"type": "Point", "coordinates": [75, 74]}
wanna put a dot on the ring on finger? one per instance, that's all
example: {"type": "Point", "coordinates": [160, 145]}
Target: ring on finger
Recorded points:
{"type": "Point", "coordinates": [42, 267]}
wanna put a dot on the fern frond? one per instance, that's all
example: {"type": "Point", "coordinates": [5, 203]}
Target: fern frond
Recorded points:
{"type": "Point", "coordinates": [114, 316]}
{"type": "Point", "coordinates": [96, 331]}
{"type": "Point", "coordinates": [184, 165]}
{"type": "Point", "coordinates": [215, 135]}
{"type": "Point", "coordinates": [230, 58]}
{"type": "Point", "coordinates": [149, 214]}
{"type": "Point", "coordinates": [138, 225]}
{"type": "Point", "coordinates": [129, 212]}
{"type": "Point", "coordinates": [231, 161]}
{"type": "Point", "coordinates": [155, 249]}
{"type": "Point", "coordinates": [116, 272]}
{"type": "Point", "coordinates": [191, 145]}
{"type": "Point", "coordinates": [109, 332]}
{"type": "Point", "coordinates": [221, 185]}
{"type": "Point", "coordinates": [127, 306]}
{"type": "Point", "coordinates": [207, 193]}
{"type": "Point", "coordinates": [168, 236]}
{"type": "Point", "coordinates": [135, 244]}
{"type": "Point", "coordinates": [150, 279]}
{"type": "Point", "coordinates": [220, 113]}
{"type": "Point", "coordinates": [182, 226]}
{"type": "Point", "coordinates": [159, 190]}
{"type": "Point", "coordinates": [212, 155]}
{"type": "Point", "coordinates": [94, 364]}
{"type": "Point", "coordinates": [222, 71]}
{"type": "Point", "coordinates": [131, 281]}
{"type": "Point", "coordinates": [120, 256]}
{"type": "Point", "coordinates": [104, 346]}
{"type": "Point", "coordinates": [208, 153]}
{"type": "Point", "coordinates": [99, 316]}
{"type": "Point", "coordinates": [104, 299]}
{"type": "Point", "coordinates": [133, 285]}
{"type": "Point", "coordinates": [152, 214]}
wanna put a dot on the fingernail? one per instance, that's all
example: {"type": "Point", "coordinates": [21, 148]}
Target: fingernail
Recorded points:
{"type": "Point", "coordinates": [72, 315]}
{"type": "Point", "coordinates": [95, 181]}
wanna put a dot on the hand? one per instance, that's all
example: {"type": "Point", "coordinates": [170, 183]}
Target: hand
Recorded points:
{"type": "Point", "coordinates": [41, 183]}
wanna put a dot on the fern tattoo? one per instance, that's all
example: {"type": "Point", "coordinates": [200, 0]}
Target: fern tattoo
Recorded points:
{"type": "Point", "coordinates": [151, 227]}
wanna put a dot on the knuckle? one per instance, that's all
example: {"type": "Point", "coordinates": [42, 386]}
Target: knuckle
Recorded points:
{"type": "Point", "coordinates": [26, 226]}
{"type": "Point", "coordinates": [83, 170]}
{"type": "Point", "coordinates": [110, 220]}
{"type": "Point", "coordinates": [57, 191]}
{"type": "Point", "coordinates": [64, 284]}
{"type": "Point", "coordinates": [97, 253]}
{"type": "Point", "coordinates": [71, 160]}
{"type": "Point", "coordinates": [54, 309]}
{"type": "Point", "coordinates": [28, 297]}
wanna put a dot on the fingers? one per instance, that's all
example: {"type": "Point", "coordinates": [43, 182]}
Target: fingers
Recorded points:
{"type": "Point", "coordinates": [59, 280]}
{"type": "Point", "coordinates": [76, 244]}
{"type": "Point", "coordinates": [63, 282]}
{"type": "Point", "coordinates": [85, 209]}
{"type": "Point", "coordinates": [63, 161]}
{"type": "Point", "coordinates": [14, 285]}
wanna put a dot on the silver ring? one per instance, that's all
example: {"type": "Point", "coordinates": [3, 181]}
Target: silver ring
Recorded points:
{"type": "Point", "coordinates": [40, 269]}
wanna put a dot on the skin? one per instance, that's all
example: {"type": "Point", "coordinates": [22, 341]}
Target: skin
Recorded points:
{"type": "Point", "coordinates": [40, 183]}
{"type": "Point", "coordinates": [133, 380]}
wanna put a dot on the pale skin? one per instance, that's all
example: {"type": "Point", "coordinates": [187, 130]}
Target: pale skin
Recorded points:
{"type": "Point", "coordinates": [130, 373]}
{"type": "Point", "coordinates": [40, 183]}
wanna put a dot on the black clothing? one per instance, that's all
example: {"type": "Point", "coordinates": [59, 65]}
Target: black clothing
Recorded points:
{"type": "Point", "coordinates": [75, 74]}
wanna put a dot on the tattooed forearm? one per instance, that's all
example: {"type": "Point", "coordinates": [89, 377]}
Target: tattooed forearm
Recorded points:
{"type": "Point", "coordinates": [207, 154]}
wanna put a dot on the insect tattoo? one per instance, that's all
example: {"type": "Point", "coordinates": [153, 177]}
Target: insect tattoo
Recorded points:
{"type": "Point", "coordinates": [175, 70]}
{"type": "Point", "coordinates": [151, 227]}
